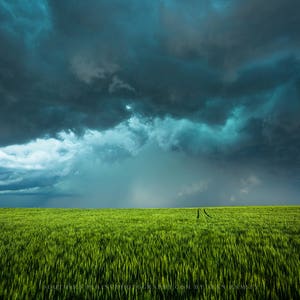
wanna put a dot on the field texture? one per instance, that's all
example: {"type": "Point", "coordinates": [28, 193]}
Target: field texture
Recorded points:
{"type": "Point", "coordinates": [237, 252]}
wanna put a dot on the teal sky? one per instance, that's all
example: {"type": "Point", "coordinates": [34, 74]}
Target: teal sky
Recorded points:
{"type": "Point", "coordinates": [163, 103]}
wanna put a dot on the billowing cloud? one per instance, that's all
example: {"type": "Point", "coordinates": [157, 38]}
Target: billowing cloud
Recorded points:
{"type": "Point", "coordinates": [140, 162]}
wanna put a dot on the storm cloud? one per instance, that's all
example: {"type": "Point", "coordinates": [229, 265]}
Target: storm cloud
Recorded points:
{"type": "Point", "coordinates": [214, 81]}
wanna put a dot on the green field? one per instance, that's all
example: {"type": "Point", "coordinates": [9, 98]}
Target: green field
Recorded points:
{"type": "Point", "coordinates": [240, 252]}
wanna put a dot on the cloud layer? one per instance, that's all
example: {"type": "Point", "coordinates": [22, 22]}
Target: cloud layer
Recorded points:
{"type": "Point", "coordinates": [215, 81]}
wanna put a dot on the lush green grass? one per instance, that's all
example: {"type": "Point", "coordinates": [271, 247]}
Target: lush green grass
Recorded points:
{"type": "Point", "coordinates": [250, 252]}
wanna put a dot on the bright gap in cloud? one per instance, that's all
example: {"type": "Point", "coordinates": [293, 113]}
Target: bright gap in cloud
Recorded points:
{"type": "Point", "coordinates": [125, 139]}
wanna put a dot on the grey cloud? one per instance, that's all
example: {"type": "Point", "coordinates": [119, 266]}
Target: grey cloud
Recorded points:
{"type": "Point", "coordinates": [118, 84]}
{"type": "Point", "coordinates": [241, 32]}
{"type": "Point", "coordinates": [87, 70]}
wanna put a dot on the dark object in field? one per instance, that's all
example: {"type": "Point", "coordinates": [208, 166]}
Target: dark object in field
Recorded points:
{"type": "Point", "coordinates": [206, 213]}
{"type": "Point", "coordinates": [198, 214]}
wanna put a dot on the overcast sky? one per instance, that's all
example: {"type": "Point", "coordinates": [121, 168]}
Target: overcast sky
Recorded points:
{"type": "Point", "coordinates": [149, 103]}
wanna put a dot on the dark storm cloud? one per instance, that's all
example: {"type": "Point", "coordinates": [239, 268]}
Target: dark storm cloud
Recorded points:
{"type": "Point", "coordinates": [76, 64]}
{"type": "Point", "coordinates": [237, 32]}
{"type": "Point", "coordinates": [12, 180]}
